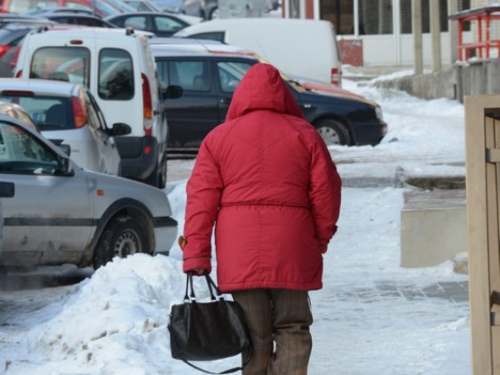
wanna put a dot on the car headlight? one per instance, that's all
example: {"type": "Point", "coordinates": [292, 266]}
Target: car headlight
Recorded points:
{"type": "Point", "coordinates": [378, 113]}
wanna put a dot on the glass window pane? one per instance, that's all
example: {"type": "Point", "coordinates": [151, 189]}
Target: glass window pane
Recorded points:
{"type": "Point", "coordinates": [406, 16]}
{"type": "Point", "coordinates": [137, 22]}
{"type": "Point", "coordinates": [168, 24]}
{"type": "Point", "coordinates": [190, 75]}
{"type": "Point", "coordinates": [61, 64]}
{"type": "Point", "coordinates": [217, 35]}
{"type": "Point", "coordinates": [162, 68]}
{"type": "Point", "coordinates": [375, 17]}
{"type": "Point", "coordinates": [20, 6]}
{"type": "Point", "coordinates": [22, 153]}
{"type": "Point", "coordinates": [340, 13]}
{"type": "Point", "coordinates": [231, 74]}
{"type": "Point", "coordinates": [116, 76]}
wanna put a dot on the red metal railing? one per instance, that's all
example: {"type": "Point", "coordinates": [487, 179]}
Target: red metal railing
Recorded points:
{"type": "Point", "coordinates": [482, 17]}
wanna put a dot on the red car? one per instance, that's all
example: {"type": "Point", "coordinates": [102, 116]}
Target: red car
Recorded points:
{"type": "Point", "coordinates": [21, 6]}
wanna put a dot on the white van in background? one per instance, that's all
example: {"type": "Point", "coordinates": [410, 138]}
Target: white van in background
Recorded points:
{"type": "Point", "coordinates": [300, 48]}
{"type": "Point", "coordinates": [118, 68]}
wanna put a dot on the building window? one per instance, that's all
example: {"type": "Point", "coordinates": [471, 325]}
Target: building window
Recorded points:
{"type": "Point", "coordinates": [406, 15]}
{"type": "Point", "coordinates": [340, 13]}
{"type": "Point", "coordinates": [295, 9]}
{"type": "Point", "coordinates": [375, 17]}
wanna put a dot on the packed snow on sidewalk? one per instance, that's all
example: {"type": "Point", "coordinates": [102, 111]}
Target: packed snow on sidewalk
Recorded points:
{"type": "Point", "coordinates": [115, 322]}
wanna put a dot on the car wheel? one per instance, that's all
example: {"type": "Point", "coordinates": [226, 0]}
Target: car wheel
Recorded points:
{"type": "Point", "coordinates": [333, 132]}
{"type": "Point", "coordinates": [214, 14]}
{"type": "Point", "coordinates": [123, 236]}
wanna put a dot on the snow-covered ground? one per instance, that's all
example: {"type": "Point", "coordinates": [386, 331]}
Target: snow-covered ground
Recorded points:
{"type": "Point", "coordinates": [371, 317]}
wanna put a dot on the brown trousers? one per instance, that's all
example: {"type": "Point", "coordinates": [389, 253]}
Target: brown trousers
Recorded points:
{"type": "Point", "coordinates": [279, 321]}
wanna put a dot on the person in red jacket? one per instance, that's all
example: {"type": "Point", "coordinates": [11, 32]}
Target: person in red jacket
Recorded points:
{"type": "Point", "coordinates": [267, 182]}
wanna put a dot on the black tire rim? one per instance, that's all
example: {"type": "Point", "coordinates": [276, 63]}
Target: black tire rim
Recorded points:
{"type": "Point", "coordinates": [127, 243]}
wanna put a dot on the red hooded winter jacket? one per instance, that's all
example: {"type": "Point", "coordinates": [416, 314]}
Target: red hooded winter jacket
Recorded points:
{"type": "Point", "coordinates": [267, 181]}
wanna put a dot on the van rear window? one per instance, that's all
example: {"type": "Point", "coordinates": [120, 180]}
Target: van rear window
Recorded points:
{"type": "Point", "coordinates": [69, 64]}
{"type": "Point", "coordinates": [116, 75]}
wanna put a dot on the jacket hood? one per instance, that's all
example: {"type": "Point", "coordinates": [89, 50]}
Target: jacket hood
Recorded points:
{"type": "Point", "coordinates": [262, 88]}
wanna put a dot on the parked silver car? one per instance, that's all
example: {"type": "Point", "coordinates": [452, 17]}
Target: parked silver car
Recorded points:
{"type": "Point", "coordinates": [62, 213]}
{"type": "Point", "coordinates": [68, 113]}
{"type": "Point", "coordinates": [7, 190]}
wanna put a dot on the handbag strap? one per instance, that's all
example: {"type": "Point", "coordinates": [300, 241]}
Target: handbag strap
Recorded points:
{"type": "Point", "coordinates": [229, 371]}
{"type": "Point", "coordinates": [189, 295]}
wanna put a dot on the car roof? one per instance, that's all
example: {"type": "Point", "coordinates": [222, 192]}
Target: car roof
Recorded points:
{"type": "Point", "coordinates": [36, 11]}
{"type": "Point", "coordinates": [143, 13]}
{"type": "Point", "coordinates": [180, 40]}
{"type": "Point", "coordinates": [79, 30]}
{"type": "Point", "coordinates": [40, 86]}
{"type": "Point", "coordinates": [74, 15]}
{"type": "Point", "coordinates": [56, 17]}
{"type": "Point", "coordinates": [7, 18]}
{"type": "Point", "coordinates": [201, 49]}
{"type": "Point", "coordinates": [43, 22]}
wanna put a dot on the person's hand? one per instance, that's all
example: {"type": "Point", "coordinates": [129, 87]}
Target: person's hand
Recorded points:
{"type": "Point", "coordinates": [182, 242]}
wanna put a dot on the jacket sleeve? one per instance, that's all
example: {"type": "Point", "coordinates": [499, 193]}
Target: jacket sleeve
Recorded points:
{"type": "Point", "coordinates": [324, 192]}
{"type": "Point", "coordinates": [204, 189]}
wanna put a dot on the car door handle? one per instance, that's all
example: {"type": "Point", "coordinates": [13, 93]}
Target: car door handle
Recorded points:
{"type": "Point", "coordinates": [225, 101]}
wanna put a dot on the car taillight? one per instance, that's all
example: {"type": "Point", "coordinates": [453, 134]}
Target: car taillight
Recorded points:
{"type": "Point", "coordinates": [19, 73]}
{"type": "Point", "coordinates": [147, 105]}
{"type": "Point", "coordinates": [13, 62]}
{"type": "Point", "coordinates": [4, 50]}
{"type": "Point", "coordinates": [80, 116]}
{"type": "Point", "coordinates": [335, 76]}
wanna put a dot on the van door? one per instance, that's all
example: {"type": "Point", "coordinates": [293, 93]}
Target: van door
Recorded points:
{"type": "Point", "coordinates": [116, 85]}
{"type": "Point", "coordinates": [195, 113]}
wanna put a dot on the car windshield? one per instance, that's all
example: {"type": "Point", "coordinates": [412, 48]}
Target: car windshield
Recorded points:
{"type": "Point", "coordinates": [20, 6]}
{"type": "Point", "coordinates": [121, 6]}
{"type": "Point", "coordinates": [106, 9]}
{"type": "Point", "coordinates": [21, 152]}
{"type": "Point", "coordinates": [47, 112]}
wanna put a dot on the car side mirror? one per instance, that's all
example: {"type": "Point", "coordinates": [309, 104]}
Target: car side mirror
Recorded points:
{"type": "Point", "coordinates": [121, 129]}
{"type": "Point", "coordinates": [65, 148]}
{"type": "Point", "coordinates": [172, 92]}
{"type": "Point", "coordinates": [65, 168]}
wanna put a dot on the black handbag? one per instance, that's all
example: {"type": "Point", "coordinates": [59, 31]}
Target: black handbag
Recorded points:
{"type": "Point", "coordinates": [207, 331]}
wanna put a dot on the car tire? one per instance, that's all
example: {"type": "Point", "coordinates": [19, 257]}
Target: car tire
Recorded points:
{"type": "Point", "coordinates": [162, 176]}
{"type": "Point", "coordinates": [333, 132]}
{"type": "Point", "coordinates": [158, 178]}
{"type": "Point", "coordinates": [123, 236]}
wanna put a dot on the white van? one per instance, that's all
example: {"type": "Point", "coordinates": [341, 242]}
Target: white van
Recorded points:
{"type": "Point", "coordinates": [300, 48]}
{"type": "Point", "coordinates": [118, 68]}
